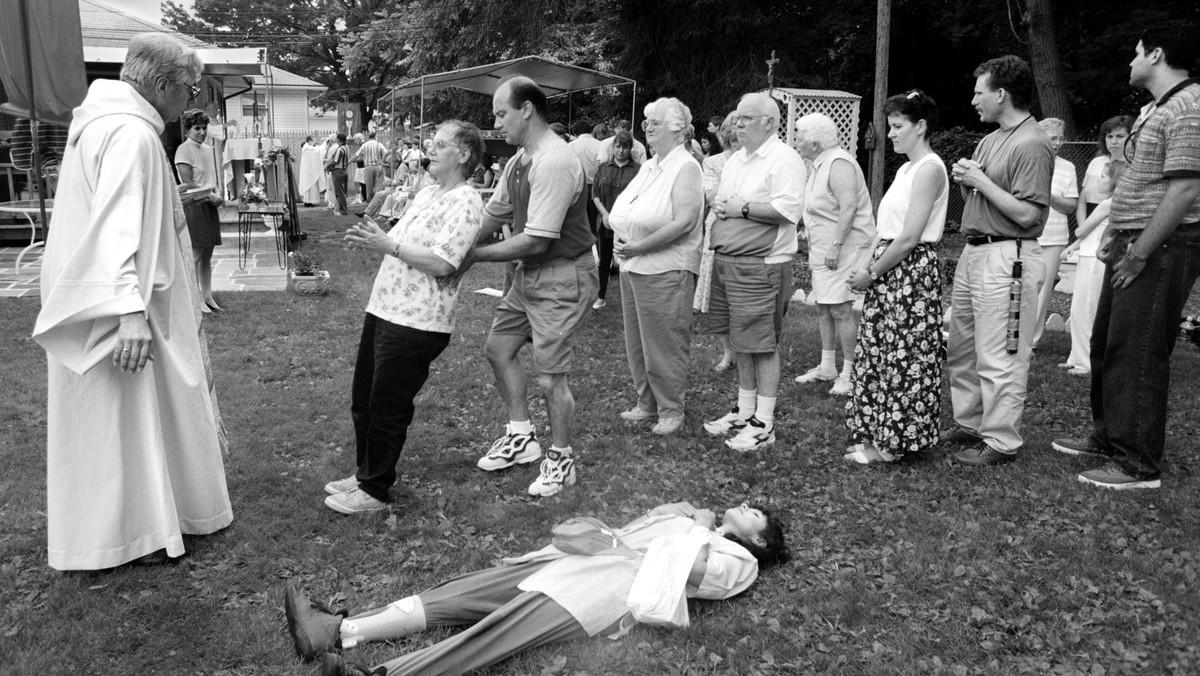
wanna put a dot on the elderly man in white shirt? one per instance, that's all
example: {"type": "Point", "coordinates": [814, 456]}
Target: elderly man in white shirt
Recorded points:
{"type": "Point", "coordinates": [758, 205]}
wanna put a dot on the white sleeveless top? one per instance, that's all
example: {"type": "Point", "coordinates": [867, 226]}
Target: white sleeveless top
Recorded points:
{"type": "Point", "coordinates": [821, 208]}
{"type": "Point", "coordinates": [645, 205]}
{"type": "Point", "coordinates": [893, 208]}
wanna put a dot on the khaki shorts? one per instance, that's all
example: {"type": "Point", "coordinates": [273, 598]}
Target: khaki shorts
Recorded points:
{"type": "Point", "coordinates": [547, 304]}
{"type": "Point", "coordinates": [748, 301]}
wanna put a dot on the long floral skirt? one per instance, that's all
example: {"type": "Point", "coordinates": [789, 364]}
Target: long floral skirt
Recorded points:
{"type": "Point", "coordinates": [897, 367]}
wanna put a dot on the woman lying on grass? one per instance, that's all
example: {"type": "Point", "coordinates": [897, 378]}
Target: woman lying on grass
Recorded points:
{"type": "Point", "coordinates": [639, 572]}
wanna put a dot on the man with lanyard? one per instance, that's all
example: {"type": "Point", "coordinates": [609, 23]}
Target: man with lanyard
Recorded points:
{"type": "Point", "coordinates": [337, 171]}
{"type": "Point", "coordinates": [371, 154]}
{"type": "Point", "coordinates": [541, 193]}
{"type": "Point", "coordinates": [758, 204]}
{"type": "Point", "coordinates": [1151, 265]}
{"type": "Point", "coordinates": [1006, 187]}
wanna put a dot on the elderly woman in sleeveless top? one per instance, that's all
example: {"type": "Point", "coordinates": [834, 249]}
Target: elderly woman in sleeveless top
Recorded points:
{"type": "Point", "coordinates": [894, 407]}
{"type": "Point", "coordinates": [839, 224]}
{"type": "Point", "coordinates": [657, 233]}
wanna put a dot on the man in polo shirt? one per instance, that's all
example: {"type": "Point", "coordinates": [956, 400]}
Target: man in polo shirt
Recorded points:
{"type": "Point", "coordinates": [371, 154]}
{"type": "Point", "coordinates": [1006, 187]}
{"type": "Point", "coordinates": [1151, 265]}
{"type": "Point", "coordinates": [542, 193]}
{"type": "Point", "coordinates": [758, 204]}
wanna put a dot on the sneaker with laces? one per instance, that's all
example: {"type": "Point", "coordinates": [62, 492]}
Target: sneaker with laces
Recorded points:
{"type": "Point", "coordinates": [1078, 447]}
{"type": "Point", "coordinates": [354, 501]}
{"type": "Point", "coordinates": [666, 426]}
{"type": "Point", "coordinates": [599, 304]}
{"type": "Point", "coordinates": [730, 423]}
{"type": "Point", "coordinates": [636, 414]}
{"type": "Point", "coordinates": [842, 387]}
{"type": "Point", "coordinates": [511, 449]}
{"type": "Point", "coordinates": [1111, 475]}
{"type": "Point", "coordinates": [753, 436]}
{"type": "Point", "coordinates": [342, 485]}
{"type": "Point", "coordinates": [557, 470]}
{"type": "Point", "coordinates": [817, 374]}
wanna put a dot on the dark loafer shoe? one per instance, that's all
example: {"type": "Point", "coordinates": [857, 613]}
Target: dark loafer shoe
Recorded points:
{"type": "Point", "coordinates": [314, 630]}
{"type": "Point", "coordinates": [959, 435]}
{"type": "Point", "coordinates": [152, 559]}
{"type": "Point", "coordinates": [983, 456]}
{"type": "Point", "coordinates": [332, 664]}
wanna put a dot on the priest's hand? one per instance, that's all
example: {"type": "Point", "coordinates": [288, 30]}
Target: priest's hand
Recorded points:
{"type": "Point", "coordinates": [133, 343]}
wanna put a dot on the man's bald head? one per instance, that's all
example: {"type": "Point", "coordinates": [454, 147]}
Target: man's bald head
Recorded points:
{"type": "Point", "coordinates": [520, 90]}
{"type": "Point", "coordinates": [761, 104]}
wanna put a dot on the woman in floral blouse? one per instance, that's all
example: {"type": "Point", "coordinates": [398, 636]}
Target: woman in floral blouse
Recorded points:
{"type": "Point", "coordinates": [894, 404]}
{"type": "Point", "coordinates": [410, 314]}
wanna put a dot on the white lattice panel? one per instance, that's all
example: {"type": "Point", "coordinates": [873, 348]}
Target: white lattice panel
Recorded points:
{"type": "Point", "coordinates": [841, 107]}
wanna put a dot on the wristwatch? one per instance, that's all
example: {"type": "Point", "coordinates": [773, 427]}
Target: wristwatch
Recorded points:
{"type": "Point", "coordinates": [745, 210]}
{"type": "Point", "coordinates": [871, 274]}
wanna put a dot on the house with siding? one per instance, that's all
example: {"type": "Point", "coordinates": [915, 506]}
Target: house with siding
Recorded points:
{"type": "Point", "coordinates": [284, 100]}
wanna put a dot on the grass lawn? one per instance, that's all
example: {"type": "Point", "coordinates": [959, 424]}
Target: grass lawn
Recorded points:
{"type": "Point", "coordinates": [921, 568]}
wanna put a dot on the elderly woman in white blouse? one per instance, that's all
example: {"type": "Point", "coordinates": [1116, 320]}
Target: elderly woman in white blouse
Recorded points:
{"type": "Point", "coordinates": [657, 233]}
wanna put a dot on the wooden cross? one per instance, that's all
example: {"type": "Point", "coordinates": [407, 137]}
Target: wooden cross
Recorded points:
{"type": "Point", "coordinates": [771, 71]}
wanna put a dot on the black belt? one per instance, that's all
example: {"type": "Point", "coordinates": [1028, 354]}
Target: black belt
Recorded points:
{"type": "Point", "coordinates": [976, 240]}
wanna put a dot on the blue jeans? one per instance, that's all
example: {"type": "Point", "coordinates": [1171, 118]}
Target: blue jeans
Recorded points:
{"type": "Point", "coordinates": [1132, 341]}
{"type": "Point", "coordinates": [393, 364]}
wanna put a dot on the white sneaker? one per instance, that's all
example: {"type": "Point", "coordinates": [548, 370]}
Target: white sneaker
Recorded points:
{"type": "Point", "coordinates": [354, 501]}
{"type": "Point", "coordinates": [817, 374]}
{"type": "Point", "coordinates": [842, 387]}
{"type": "Point", "coordinates": [599, 304]}
{"type": "Point", "coordinates": [666, 426]}
{"type": "Point", "coordinates": [511, 449]}
{"type": "Point", "coordinates": [557, 470]}
{"type": "Point", "coordinates": [753, 436]}
{"type": "Point", "coordinates": [729, 423]}
{"type": "Point", "coordinates": [636, 414]}
{"type": "Point", "coordinates": [342, 485]}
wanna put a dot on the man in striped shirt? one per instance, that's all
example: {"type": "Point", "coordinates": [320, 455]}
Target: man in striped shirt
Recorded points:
{"type": "Point", "coordinates": [372, 154]}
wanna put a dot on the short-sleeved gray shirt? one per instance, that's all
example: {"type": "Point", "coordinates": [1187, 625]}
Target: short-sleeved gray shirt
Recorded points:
{"type": "Point", "coordinates": [1021, 162]}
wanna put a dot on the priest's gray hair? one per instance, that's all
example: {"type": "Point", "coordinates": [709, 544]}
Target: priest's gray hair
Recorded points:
{"type": "Point", "coordinates": [817, 128]}
{"type": "Point", "coordinates": [158, 56]}
{"type": "Point", "coordinates": [671, 111]}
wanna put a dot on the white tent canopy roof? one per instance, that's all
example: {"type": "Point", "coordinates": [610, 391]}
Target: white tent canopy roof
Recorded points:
{"type": "Point", "coordinates": [236, 61]}
{"type": "Point", "coordinates": [553, 77]}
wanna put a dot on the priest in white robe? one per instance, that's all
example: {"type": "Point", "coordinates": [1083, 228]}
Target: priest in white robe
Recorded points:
{"type": "Point", "coordinates": [134, 457]}
{"type": "Point", "coordinates": [312, 167]}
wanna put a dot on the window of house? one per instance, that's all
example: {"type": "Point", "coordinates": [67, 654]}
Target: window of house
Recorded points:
{"type": "Point", "coordinates": [248, 100]}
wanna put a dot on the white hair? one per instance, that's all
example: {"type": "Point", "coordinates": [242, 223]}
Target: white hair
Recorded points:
{"type": "Point", "coordinates": [818, 128]}
{"type": "Point", "coordinates": [1053, 124]}
{"type": "Point", "coordinates": [671, 111]}
{"type": "Point", "coordinates": [764, 104]}
{"type": "Point", "coordinates": [159, 56]}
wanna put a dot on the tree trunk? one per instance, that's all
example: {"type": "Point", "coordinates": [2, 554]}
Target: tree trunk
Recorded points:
{"type": "Point", "coordinates": [1047, 63]}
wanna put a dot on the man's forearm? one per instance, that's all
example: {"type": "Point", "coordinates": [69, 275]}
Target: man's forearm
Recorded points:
{"type": "Point", "coordinates": [1181, 193]}
{"type": "Point", "coordinates": [1024, 214]}
{"type": "Point", "coordinates": [512, 249]}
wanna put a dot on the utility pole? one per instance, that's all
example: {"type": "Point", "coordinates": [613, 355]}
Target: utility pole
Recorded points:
{"type": "Point", "coordinates": [876, 132]}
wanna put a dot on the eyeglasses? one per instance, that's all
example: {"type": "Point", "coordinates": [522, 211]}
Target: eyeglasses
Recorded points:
{"type": "Point", "coordinates": [439, 146]}
{"type": "Point", "coordinates": [193, 92]}
{"type": "Point", "coordinates": [647, 124]}
{"type": "Point", "coordinates": [747, 119]}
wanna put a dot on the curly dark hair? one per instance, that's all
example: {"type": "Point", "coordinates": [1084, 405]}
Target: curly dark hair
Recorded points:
{"type": "Point", "coordinates": [1178, 42]}
{"type": "Point", "coordinates": [1013, 75]}
{"type": "Point", "coordinates": [775, 551]}
{"type": "Point", "coordinates": [1119, 122]}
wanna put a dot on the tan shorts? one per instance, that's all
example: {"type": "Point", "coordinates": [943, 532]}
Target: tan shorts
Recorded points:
{"type": "Point", "coordinates": [548, 304]}
{"type": "Point", "coordinates": [748, 301]}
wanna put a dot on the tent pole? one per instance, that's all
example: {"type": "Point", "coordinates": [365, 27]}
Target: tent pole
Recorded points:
{"type": "Point", "coordinates": [33, 120]}
{"type": "Point", "coordinates": [421, 128]}
{"type": "Point", "coordinates": [633, 108]}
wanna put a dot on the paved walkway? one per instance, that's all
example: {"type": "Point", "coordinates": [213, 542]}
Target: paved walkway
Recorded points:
{"type": "Point", "coordinates": [261, 273]}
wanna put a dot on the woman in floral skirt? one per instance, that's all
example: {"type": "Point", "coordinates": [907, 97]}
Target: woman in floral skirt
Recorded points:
{"type": "Point", "coordinates": [896, 398]}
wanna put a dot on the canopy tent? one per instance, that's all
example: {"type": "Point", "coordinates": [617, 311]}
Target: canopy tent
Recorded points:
{"type": "Point", "coordinates": [556, 79]}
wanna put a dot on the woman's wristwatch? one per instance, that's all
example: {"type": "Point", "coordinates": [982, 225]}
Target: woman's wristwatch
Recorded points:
{"type": "Point", "coordinates": [745, 210]}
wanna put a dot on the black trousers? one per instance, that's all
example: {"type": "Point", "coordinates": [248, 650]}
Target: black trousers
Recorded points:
{"type": "Point", "coordinates": [392, 366]}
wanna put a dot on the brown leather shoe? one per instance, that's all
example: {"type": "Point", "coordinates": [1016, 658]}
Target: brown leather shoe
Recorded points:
{"type": "Point", "coordinates": [983, 456]}
{"type": "Point", "coordinates": [314, 630]}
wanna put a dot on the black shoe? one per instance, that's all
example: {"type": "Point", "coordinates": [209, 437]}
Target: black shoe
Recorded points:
{"type": "Point", "coordinates": [983, 456]}
{"type": "Point", "coordinates": [959, 435]}
{"type": "Point", "coordinates": [332, 664]}
{"type": "Point", "coordinates": [314, 629]}
{"type": "Point", "coordinates": [152, 559]}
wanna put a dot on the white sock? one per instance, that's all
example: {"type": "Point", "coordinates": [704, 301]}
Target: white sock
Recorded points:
{"type": "Point", "coordinates": [397, 619]}
{"type": "Point", "coordinates": [746, 401]}
{"type": "Point", "coordinates": [847, 368]}
{"type": "Point", "coordinates": [828, 360]}
{"type": "Point", "coordinates": [520, 427]}
{"type": "Point", "coordinates": [566, 452]}
{"type": "Point", "coordinates": [766, 410]}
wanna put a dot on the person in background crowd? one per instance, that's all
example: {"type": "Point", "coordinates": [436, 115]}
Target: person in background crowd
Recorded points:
{"type": "Point", "coordinates": [1064, 197]}
{"type": "Point", "coordinates": [196, 164]}
{"type": "Point", "coordinates": [1006, 186]}
{"type": "Point", "coordinates": [356, 171]}
{"type": "Point", "coordinates": [560, 130]}
{"type": "Point", "coordinates": [605, 152]}
{"type": "Point", "coordinates": [711, 170]}
{"type": "Point", "coordinates": [1151, 262]}
{"type": "Point", "coordinates": [611, 179]}
{"type": "Point", "coordinates": [715, 122]}
{"type": "Point", "coordinates": [601, 132]}
{"type": "Point", "coordinates": [656, 223]}
{"type": "Point", "coordinates": [372, 155]}
{"type": "Point", "coordinates": [328, 148]}
{"type": "Point", "coordinates": [586, 147]}
{"type": "Point", "coordinates": [484, 177]}
{"type": "Point", "coordinates": [337, 166]}
{"type": "Point", "coordinates": [710, 144]}
{"type": "Point", "coordinates": [312, 177]}
{"type": "Point", "coordinates": [896, 402]}
{"type": "Point", "coordinates": [541, 195]}
{"type": "Point", "coordinates": [758, 205]}
{"type": "Point", "coordinates": [410, 314]}
{"type": "Point", "coordinates": [1098, 183]}
{"type": "Point", "coordinates": [838, 220]}
{"type": "Point", "coordinates": [134, 436]}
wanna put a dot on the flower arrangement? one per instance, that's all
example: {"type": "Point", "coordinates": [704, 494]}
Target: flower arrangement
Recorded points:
{"type": "Point", "coordinates": [276, 155]}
